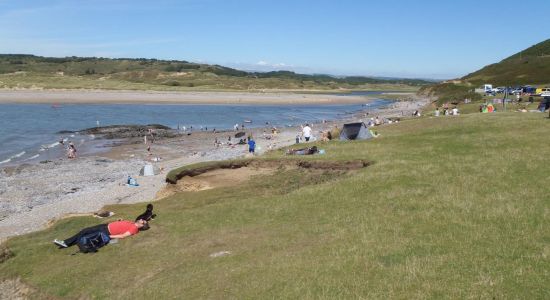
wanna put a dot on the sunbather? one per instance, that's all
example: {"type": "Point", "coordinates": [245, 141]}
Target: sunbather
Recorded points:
{"type": "Point", "coordinates": [115, 230]}
{"type": "Point", "coordinates": [304, 151]}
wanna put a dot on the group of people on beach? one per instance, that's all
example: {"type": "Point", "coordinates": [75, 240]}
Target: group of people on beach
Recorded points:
{"type": "Point", "coordinates": [447, 112]}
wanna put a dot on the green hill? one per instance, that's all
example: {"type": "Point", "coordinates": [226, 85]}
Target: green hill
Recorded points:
{"type": "Point", "coordinates": [528, 67]}
{"type": "Point", "coordinates": [29, 71]}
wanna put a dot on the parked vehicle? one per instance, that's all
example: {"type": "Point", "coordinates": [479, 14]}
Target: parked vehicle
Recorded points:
{"type": "Point", "coordinates": [529, 89]}
{"type": "Point", "coordinates": [498, 90]}
{"type": "Point", "coordinates": [545, 92]}
{"type": "Point", "coordinates": [517, 91]}
{"type": "Point", "coordinates": [485, 89]}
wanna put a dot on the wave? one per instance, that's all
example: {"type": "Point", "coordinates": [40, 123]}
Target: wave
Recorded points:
{"type": "Point", "coordinates": [19, 154]}
{"type": "Point", "coordinates": [13, 157]}
{"type": "Point", "coordinates": [32, 157]}
{"type": "Point", "coordinates": [45, 147]}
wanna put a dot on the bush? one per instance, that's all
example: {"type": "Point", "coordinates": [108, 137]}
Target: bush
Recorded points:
{"type": "Point", "coordinates": [172, 83]}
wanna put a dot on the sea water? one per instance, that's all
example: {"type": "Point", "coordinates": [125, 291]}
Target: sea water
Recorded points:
{"type": "Point", "coordinates": [30, 132]}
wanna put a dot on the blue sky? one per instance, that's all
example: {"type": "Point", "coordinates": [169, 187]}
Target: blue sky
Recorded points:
{"type": "Point", "coordinates": [428, 39]}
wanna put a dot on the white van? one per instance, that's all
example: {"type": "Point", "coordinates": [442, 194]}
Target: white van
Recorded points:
{"type": "Point", "coordinates": [545, 92]}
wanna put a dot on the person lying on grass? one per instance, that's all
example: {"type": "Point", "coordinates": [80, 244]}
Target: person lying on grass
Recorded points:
{"type": "Point", "coordinates": [115, 230]}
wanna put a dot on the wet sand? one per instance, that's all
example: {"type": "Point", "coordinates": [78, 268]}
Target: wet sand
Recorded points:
{"type": "Point", "coordinates": [158, 97]}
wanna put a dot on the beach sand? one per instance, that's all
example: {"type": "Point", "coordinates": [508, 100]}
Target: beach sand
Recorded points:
{"type": "Point", "coordinates": [158, 97]}
{"type": "Point", "coordinates": [32, 196]}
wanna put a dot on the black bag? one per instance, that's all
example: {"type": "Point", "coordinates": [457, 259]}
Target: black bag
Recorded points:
{"type": "Point", "coordinates": [93, 241]}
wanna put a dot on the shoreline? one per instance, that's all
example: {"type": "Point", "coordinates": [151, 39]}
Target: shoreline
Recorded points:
{"type": "Point", "coordinates": [29, 96]}
{"type": "Point", "coordinates": [63, 189]}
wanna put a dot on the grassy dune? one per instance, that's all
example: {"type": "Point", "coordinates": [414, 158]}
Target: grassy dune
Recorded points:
{"type": "Point", "coordinates": [453, 207]}
{"type": "Point", "coordinates": [29, 71]}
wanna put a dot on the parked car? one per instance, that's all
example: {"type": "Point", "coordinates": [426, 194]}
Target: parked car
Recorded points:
{"type": "Point", "coordinates": [516, 91]}
{"type": "Point", "coordinates": [528, 89]}
{"type": "Point", "coordinates": [498, 90]}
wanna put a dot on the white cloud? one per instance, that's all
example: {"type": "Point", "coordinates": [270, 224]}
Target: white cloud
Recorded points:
{"type": "Point", "coordinates": [263, 65]}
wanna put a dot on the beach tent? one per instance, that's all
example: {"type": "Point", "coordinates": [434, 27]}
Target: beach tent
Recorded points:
{"type": "Point", "coordinates": [355, 131]}
{"type": "Point", "coordinates": [149, 170]}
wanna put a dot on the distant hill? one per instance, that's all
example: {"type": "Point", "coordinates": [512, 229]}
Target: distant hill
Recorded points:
{"type": "Point", "coordinates": [528, 67]}
{"type": "Point", "coordinates": [21, 70]}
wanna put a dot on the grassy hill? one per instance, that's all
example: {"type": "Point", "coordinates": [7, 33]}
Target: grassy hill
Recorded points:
{"type": "Point", "coordinates": [29, 71]}
{"type": "Point", "coordinates": [528, 67]}
{"type": "Point", "coordinates": [453, 207]}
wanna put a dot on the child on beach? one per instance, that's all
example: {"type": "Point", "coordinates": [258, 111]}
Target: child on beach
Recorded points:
{"type": "Point", "coordinates": [72, 151]}
{"type": "Point", "coordinates": [251, 146]}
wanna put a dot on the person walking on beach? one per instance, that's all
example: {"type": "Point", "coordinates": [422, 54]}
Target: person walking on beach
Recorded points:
{"type": "Point", "coordinates": [251, 146]}
{"type": "Point", "coordinates": [115, 230]}
{"type": "Point", "coordinates": [306, 132]}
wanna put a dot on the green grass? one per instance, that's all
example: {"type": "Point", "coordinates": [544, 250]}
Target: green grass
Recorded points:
{"type": "Point", "coordinates": [451, 208]}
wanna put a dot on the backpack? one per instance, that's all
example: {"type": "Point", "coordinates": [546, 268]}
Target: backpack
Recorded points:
{"type": "Point", "coordinates": [93, 241]}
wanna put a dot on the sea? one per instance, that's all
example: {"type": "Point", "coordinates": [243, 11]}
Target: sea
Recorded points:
{"type": "Point", "coordinates": [30, 133]}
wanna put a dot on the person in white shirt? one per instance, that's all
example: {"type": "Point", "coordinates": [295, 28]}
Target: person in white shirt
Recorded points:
{"type": "Point", "coordinates": [455, 111]}
{"type": "Point", "coordinates": [437, 112]}
{"type": "Point", "coordinates": [306, 132]}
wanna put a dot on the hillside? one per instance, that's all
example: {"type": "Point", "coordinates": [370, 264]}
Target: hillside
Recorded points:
{"type": "Point", "coordinates": [528, 67]}
{"type": "Point", "coordinates": [29, 71]}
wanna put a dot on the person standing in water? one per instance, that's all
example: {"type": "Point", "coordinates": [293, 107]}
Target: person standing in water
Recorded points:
{"type": "Point", "coordinates": [72, 151]}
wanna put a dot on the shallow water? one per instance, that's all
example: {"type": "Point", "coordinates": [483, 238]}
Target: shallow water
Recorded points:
{"type": "Point", "coordinates": [29, 132]}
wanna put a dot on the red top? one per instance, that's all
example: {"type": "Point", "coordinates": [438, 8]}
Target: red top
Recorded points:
{"type": "Point", "coordinates": [121, 227]}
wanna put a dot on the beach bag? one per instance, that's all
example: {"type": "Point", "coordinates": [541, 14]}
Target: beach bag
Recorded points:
{"type": "Point", "coordinates": [93, 241]}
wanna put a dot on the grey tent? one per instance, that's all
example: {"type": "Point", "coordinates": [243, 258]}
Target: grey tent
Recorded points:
{"type": "Point", "coordinates": [355, 131]}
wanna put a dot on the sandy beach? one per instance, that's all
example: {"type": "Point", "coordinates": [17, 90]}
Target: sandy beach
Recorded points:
{"type": "Point", "coordinates": [29, 202]}
{"type": "Point", "coordinates": [158, 97]}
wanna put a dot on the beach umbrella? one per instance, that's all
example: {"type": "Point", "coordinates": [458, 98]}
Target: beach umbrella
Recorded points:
{"type": "Point", "coordinates": [239, 134]}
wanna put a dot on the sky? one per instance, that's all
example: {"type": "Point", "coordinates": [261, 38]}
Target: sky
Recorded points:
{"type": "Point", "coordinates": [391, 38]}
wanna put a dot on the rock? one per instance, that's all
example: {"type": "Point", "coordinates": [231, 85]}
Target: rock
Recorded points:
{"type": "Point", "coordinates": [219, 254]}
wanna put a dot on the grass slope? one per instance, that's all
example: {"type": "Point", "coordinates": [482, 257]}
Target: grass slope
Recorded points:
{"type": "Point", "coordinates": [528, 67]}
{"type": "Point", "coordinates": [29, 71]}
{"type": "Point", "coordinates": [451, 208]}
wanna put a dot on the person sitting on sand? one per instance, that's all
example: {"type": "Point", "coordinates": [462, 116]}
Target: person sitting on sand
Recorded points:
{"type": "Point", "coordinates": [115, 230]}
{"type": "Point", "coordinates": [326, 136]}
